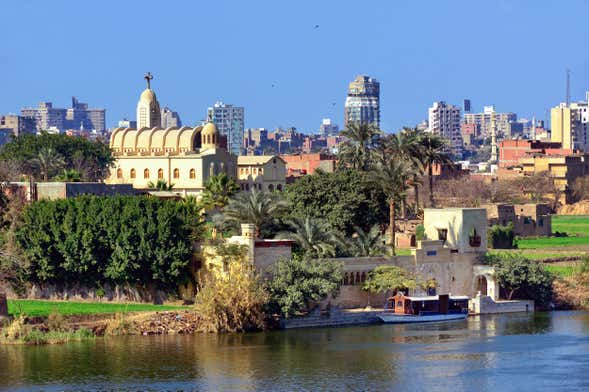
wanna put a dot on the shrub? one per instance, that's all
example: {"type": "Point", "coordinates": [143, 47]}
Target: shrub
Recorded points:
{"type": "Point", "coordinates": [119, 325]}
{"type": "Point", "coordinates": [419, 233]}
{"type": "Point", "coordinates": [501, 237]}
{"type": "Point", "coordinates": [55, 322]}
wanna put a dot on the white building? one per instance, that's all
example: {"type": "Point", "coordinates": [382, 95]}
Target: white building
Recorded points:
{"type": "Point", "coordinates": [444, 120]}
{"type": "Point", "coordinates": [484, 121]}
{"type": "Point", "coordinates": [328, 128]}
{"type": "Point", "coordinates": [229, 120]}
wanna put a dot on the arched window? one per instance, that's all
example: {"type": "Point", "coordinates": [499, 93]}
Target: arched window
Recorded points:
{"type": "Point", "coordinates": [119, 173]}
{"type": "Point", "coordinates": [160, 174]}
{"type": "Point", "coordinates": [358, 280]}
{"type": "Point", "coordinates": [212, 169]}
{"type": "Point", "coordinates": [132, 174]}
{"type": "Point", "coordinates": [345, 283]}
{"type": "Point", "coordinates": [363, 277]}
{"type": "Point", "coordinates": [176, 173]}
{"type": "Point", "coordinates": [223, 168]}
{"type": "Point", "coordinates": [192, 174]}
{"type": "Point", "coordinates": [146, 174]}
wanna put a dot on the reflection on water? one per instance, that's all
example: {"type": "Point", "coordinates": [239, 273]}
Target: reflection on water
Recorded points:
{"type": "Point", "coordinates": [542, 351]}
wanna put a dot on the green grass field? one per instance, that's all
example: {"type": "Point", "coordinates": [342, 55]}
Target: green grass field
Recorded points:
{"type": "Point", "coordinates": [43, 308]}
{"type": "Point", "coordinates": [576, 226]}
{"type": "Point", "coordinates": [561, 270]}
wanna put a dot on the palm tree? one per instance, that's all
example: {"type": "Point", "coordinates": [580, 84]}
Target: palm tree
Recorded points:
{"type": "Point", "coordinates": [71, 175]}
{"type": "Point", "coordinates": [367, 243]}
{"type": "Point", "coordinates": [218, 190]}
{"type": "Point", "coordinates": [313, 236]}
{"type": "Point", "coordinates": [392, 176]}
{"type": "Point", "coordinates": [355, 152]}
{"type": "Point", "coordinates": [160, 185]}
{"type": "Point", "coordinates": [47, 162]}
{"type": "Point", "coordinates": [432, 150]}
{"type": "Point", "coordinates": [256, 207]}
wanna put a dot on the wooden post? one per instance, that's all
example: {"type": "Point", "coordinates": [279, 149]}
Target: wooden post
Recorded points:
{"type": "Point", "coordinates": [3, 305]}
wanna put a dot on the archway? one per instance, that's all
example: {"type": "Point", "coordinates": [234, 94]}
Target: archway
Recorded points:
{"type": "Point", "coordinates": [481, 285]}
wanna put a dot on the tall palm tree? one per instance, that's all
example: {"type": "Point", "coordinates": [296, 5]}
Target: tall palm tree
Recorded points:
{"type": "Point", "coordinates": [256, 207]}
{"type": "Point", "coordinates": [313, 236]}
{"type": "Point", "coordinates": [433, 151]}
{"type": "Point", "coordinates": [47, 162]}
{"type": "Point", "coordinates": [367, 243]}
{"type": "Point", "coordinates": [218, 190]}
{"type": "Point", "coordinates": [393, 178]}
{"type": "Point", "coordinates": [355, 152]}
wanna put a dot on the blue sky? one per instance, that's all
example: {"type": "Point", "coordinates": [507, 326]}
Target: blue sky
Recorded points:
{"type": "Point", "coordinates": [268, 57]}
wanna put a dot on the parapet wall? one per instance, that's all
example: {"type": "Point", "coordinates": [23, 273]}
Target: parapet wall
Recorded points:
{"type": "Point", "coordinates": [483, 304]}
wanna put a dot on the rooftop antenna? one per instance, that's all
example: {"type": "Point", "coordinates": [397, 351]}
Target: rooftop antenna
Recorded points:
{"type": "Point", "coordinates": [568, 96]}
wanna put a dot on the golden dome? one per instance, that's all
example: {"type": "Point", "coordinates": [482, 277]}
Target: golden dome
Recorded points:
{"type": "Point", "coordinates": [209, 129]}
{"type": "Point", "coordinates": [147, 95]}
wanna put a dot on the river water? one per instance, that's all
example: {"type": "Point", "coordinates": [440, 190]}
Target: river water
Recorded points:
{"type": "Point", "coordinates": [518, 352]}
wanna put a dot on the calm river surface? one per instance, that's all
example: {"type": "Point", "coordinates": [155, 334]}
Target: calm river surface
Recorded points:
{"type": "Point", "coordinates": [525, 352]}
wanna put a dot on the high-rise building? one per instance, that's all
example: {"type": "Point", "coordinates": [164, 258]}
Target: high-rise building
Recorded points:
{"type": "Point", "coordinates": [363, 101]}
{"type": "Point", "coordinates": [570, 125]}
{"type": "Point", "coordinates": [170, 119]}
{"type": "Point", "coordinates": [148, 108]}
{"type": "Point", "coordinates": [17, 125]}
{"type": "Point", "coordinates": [483, 120]}
{"type": "Point", "coordinates": [327, 128]}
{"type": "Point", "coordinates": [229, 120]}
{"type": "Point", "coordinates": [444, 120]}
{"type": "Point", "coordinates": [78, 116]}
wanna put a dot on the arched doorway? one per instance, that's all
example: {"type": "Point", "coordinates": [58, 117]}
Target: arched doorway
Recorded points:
{"type": "Point", "coordinates": [481, 285]}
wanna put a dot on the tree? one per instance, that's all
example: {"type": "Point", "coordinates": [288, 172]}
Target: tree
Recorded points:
{"type": "Point", "coordinates": [48, 162]}
{"type": "Point", "coordinates": [69, 175]}
{"type": "Point", "coordinates": [343, 199]}
{"type": "Point", "coordinates": [312, 236]}
{"type": "Point", "coordinates": [367, 243]}
{"type": "Point", "coordinates": [160, 185]}
{"type": "Point", "coordinates": [392, 176]}
{"type": "Point", "coordinates": [232, 301]}
{"type": "Point", "coordinates": [522, 278]}
{"type": "Point", "coordinates": [91, 158]}
{"type": "Point", "coordinates": [581, 188]}
{"type": "Point", "coordinates": [296, 282]}
{"type": "Point", "coordinates": [432, 150]}
{"type": "Point", "coordinates": [218, 190]}
{"type": "Point", "coordinates": [388, 277]}
{"type": "Point", "coordinates": [355, 152]}
{"type": "Point", "coordinates": [257, 207]}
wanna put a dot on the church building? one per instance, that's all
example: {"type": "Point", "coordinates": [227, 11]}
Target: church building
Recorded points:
{"type": "Point", "coordinates": [184, 157]}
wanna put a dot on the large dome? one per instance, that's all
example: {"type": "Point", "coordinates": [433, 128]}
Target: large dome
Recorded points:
{"type": "Point", "coordinates": [147, 96]}
{"type": "Point", "coordinates": [209, 129]}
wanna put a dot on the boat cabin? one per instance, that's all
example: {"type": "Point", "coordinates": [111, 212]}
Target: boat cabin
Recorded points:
{"type": "Point", "coordinates": [421, 306]}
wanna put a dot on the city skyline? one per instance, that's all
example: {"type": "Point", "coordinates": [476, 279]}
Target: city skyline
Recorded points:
{"type": "Point", "coordinates": [413, 72]}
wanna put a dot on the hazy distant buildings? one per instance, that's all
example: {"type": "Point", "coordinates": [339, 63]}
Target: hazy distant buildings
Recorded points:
{"type": "Point", "coordinates": [570, 125]}
{"type": "Point", "coordinates": [124, 123]}
{"type": "Point", "coordinates": [483, 121]}
{"type": "Point", "coordinates": [328, 128]}
{"type": "Point", "coordinates": [78, 116]}
{"type": "Point", "coordinates": [444, 120]}
{"type": "Point", "coordinates": [229, 120]}
{"type": "Point", "coordinates": [17, 125]}
{"type": "Point", "coordinates": [363, 101]}
{"type": "Point", "coordinates": [170, 119]}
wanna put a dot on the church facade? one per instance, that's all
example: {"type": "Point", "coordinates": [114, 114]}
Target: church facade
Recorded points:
{"type": "Point", "coordinates": [185, 157]}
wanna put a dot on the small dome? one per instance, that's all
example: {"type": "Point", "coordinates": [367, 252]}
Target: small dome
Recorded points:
{"type": "Point", "coordinates": [147, 95]}
{"type": "Point", "coordinates": [209, 129]}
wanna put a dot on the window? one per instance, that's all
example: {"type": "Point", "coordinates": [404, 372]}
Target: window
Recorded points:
{"type": "Point", "coordinates": [443, 234]}
{"type": "Point", "coordinates": [146, 174]}
{"type": "Point", "coordinates": [132, 174]}
{"type": "Point", "coordinates": [176, 173]}
{"type": "Point", "coordinates": [119, 173]}
{"type": "Point", "coordinates": [160, 174]}
{"type": "Point", "coordinates": [192, 174]}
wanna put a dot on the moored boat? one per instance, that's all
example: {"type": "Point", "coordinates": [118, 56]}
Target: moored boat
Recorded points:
{"type": "Point", "coordinates": [403, 309]}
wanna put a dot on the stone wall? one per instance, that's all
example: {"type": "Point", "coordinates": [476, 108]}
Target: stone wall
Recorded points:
{"type": "Point", "coordinates": [483, 304]}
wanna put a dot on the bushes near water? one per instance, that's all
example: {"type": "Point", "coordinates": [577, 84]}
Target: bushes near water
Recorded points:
{"type": "Point", "coordinates": [120, 240]}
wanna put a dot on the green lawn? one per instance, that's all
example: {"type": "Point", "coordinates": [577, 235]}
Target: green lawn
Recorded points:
{"type": "Point", "coordinates": [538, 255]}
{"type": "Point", "coordinates": [43, 308]}
{"type": "Point", "coordinates": [561, 270]}
{"type": "Point", "coordinates": [576, 226]}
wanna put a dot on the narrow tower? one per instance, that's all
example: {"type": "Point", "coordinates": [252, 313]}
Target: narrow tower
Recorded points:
{"type": "Point", "coordinates": [148, 108]}
{"type": "Point", "coordinates": [493, 139]}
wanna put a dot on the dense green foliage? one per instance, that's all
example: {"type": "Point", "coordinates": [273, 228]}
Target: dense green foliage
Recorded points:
{"type": "Point", "coordinates": [121, 239]}
{"type": "Point", "coordinates": [501, 237]}
{"type": "Point", "coordinates": [343, 199]}
{"type": "Point", "coordinates": [46, 156]}
{"type": "Point", "coordinates": [389, 277]}
{"type": "Point", "coordinates": [218, 191]}
{"type": "Point", "coordinates": [313, 238]}
{"type": "Point", "coordinates": [296, 282]}
{"type": "Point", "coordinates": [522, 278]}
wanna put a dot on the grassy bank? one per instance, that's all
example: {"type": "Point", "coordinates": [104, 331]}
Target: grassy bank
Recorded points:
{"type": "Point", "coordinates": [40, 308]}
{"type": "Point", "coordinates": [562, 271]}
{"type": "Point", "coordinates": [575, 226]}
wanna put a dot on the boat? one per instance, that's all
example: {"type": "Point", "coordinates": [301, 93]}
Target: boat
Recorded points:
{"type": "Point", "coordinates": [401, 309]}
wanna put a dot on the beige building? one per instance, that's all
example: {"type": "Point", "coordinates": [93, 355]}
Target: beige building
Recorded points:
{"type": "Point", "coordinates": [185, 157]}
{"type": "Point", "coordinates": [570, 125]}
{"type": "Point", "coordinates": [265, 172]}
